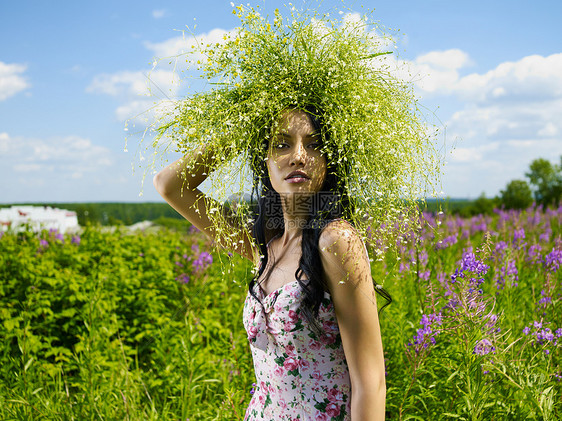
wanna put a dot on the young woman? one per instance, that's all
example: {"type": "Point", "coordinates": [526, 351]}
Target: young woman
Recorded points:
{"type": "Point", "coordinates": [311, 313]}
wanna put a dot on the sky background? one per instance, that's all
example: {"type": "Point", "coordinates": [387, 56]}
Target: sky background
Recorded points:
{"type": "Point", "coordinates": [72, 73]}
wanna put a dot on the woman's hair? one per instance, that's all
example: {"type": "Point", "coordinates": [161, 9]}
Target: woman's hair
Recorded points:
{"type": "Point", "coordinates": [330, 203]}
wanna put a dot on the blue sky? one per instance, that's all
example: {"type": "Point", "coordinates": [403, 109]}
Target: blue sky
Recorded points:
{"type": "Point", "coordinates": [72, 73]}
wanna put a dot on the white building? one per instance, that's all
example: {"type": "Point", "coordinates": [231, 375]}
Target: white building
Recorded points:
{"type": "Point", "coordinates": [38, 218]}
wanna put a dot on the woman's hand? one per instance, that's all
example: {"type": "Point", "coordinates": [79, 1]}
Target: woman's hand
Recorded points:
{"type": "Point", "coordinates": [347, 272]}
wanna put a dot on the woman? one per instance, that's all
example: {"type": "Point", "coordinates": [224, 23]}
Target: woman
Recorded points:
{"type": "Point", "coordinates": [311, 313]}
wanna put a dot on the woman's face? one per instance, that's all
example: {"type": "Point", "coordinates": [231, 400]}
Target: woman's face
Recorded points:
{"type": "Point", "coordinates": [294, 160]}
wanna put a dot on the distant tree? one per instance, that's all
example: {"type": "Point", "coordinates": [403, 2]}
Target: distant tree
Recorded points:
{"type": "Point", "coordinates": [484, 205]}
{"type": "Point", "coordinates": [547, 181]}
{"type": "Point", "coordinates": [517, 195]}
{"type": "Point", "coordinates": [481, 206]}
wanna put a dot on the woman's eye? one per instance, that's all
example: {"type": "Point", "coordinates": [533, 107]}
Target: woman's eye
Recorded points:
{"type": "Point", "coordinates": [315, 145]}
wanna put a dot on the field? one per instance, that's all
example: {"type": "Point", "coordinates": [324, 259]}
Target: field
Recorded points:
{"type": "Point", "coordinates": [115, 325]}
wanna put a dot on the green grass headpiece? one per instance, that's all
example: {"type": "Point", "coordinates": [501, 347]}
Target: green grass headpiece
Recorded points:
{"type": "Point", "coordinates": [311, 61]}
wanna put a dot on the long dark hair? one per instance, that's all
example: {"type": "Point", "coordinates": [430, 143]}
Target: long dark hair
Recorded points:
{"type": "Point", "coordinates": [332, 202]}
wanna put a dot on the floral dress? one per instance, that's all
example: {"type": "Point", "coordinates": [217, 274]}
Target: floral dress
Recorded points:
{"type": "Point", "coordinates": [300, 376]}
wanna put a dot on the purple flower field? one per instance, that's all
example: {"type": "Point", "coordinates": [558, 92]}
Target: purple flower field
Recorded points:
{"type": "Point", "coordinates": [476, 326]}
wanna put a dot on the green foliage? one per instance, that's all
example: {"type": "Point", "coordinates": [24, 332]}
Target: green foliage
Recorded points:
{"type": "Point", "coordinates": [113, 325]}
{"type": "Point", "coordinates": [517, 195]}
{"type": "Point", "coordinates": [108, 326]}
{"type": "Point", "coordinates": [546, 180]}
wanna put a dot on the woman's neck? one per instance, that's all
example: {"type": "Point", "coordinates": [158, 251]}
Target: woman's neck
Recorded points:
{"type": "Point", "coordinates": [295, 218]}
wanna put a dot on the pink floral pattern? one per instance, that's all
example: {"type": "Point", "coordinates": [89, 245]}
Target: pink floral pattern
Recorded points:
{"type": "Point", "coordinates": [299, 376]}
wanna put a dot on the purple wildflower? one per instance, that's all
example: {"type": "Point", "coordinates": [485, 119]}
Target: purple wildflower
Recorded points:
{"type": "Point", "coordinates": [424, 275]}
{"type": "Point", "coordinates": [534, 253]}
{"type": "Point", "coordinates": [404, 267]}
{"type": "Point", "coordinates": [518, 235]}
{"type": "Point", "coordinates": [446, 242]}
{"type": "Point", "coordinates": [426, 334]}
{"type": "Point", "coordinates": [553, 260]}
{"type": "Point", "coordinates": [483, 347]}
{"type": "Point", "coordinates": [545, 300]}
{"type": "Point", "coordinates": [545, 235]}
{"type": "Point", "coordinates": [75, 240]}
{"type": "Point", "coordinates": [202, 262]}
{"type": "Point", "coordinates": [183, 278]}
{"type": "Point", "coordinates": [471, 264]}
{"type": "Point", "coordinates": [43, 243]}
{"type": "Point", "coordinates": [508, 272]}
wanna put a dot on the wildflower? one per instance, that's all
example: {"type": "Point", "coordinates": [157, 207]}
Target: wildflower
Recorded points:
{"type": "Point", "coordinates": [534, 253]}
{"type": "Point", "coordinates": [426, 335]}
{"type": "Point", "coordinates": [424, 275]}
{"type": "Point", "coordinates": [518, 235]}
{"type": "Point", "coordinates": [75, 240]}
{"type": "Point", "coordinates": [202, 262]}
{"type": "Point", "coordinates": [446, 242]}
{"type": "Point", "coordinates": [545, 298]}
{"type": "Point", "coordinates": [183, 278]}
{"type": "Point", "coordinates": [483, 347]}
{"type": "Point", "coordinates": [508, 271]}
{"type": "Point", "coordinates": [553, 260]}
{"type": "Point", "coordinates": [500, 248]}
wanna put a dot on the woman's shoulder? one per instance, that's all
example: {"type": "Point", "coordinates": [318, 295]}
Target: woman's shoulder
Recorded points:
{"type": "Point", "coordinates": [339, 235]}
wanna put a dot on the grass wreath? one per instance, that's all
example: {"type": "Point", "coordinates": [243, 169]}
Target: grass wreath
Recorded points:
{"type": "Point", "coordinates": [313, 61]}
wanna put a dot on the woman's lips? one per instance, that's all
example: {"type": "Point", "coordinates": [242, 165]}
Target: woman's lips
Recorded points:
{"type": "Point", "coordinates": [299, 179]}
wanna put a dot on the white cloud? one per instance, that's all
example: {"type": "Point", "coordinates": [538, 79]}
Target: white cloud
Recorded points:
{"type": "Point", "coordinates": [438, 71]}
{"type": "Point", "coordinates": [509, 116]}
{"type": "Point", "coordinates": [67, 156]}
{"type": "Point", "coordinates": [161, 84]}
{"type": "Point", "coordinates": [529, 79]}
{"type": "Point", "coordinates": [11, 80]}
{"type": "Point", "coordinates": [144, 111]}
{"type": "Point", "coordinates": [182, 44]}
{"type": "Point", "coordinates": [159, 13]}
{"type": "Point", "coordinates": [135, 84]}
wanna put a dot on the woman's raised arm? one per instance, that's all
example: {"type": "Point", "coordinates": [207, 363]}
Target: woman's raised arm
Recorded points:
{"type": "Point", "coordinates": [178, 184]}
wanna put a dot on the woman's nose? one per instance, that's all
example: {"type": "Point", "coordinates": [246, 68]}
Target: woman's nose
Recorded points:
{"type": "Point", "coordinates": [299, 154]}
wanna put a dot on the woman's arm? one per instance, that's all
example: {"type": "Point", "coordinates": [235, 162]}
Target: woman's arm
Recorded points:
{"type": "Point", "coordinates": [348, 274]}
{"type": "Point", "coordinates": [178, 185]}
